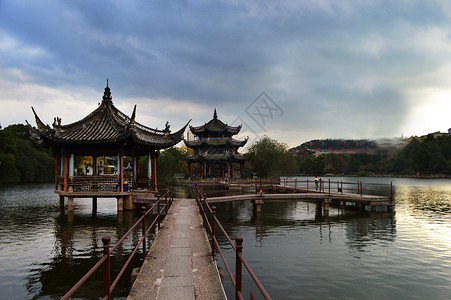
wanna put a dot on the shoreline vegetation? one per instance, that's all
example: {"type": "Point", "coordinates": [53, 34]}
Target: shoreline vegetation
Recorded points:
{"type": "Point", "coordinates": [23, 161]}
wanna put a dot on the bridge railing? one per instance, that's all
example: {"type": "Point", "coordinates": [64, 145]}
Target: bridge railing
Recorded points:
{"type": "Point", "coordinates": [339, 187]}
{"type": "Point", "coordinates": [240, 261]}
{"type": "Point", "coordinates": [323, 186]}
{"type": "Point", "coordinates": [162, 204]}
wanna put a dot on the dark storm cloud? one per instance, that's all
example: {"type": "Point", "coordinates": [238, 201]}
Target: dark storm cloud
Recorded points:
{"type": "Point", "coordinates": [340, 61]}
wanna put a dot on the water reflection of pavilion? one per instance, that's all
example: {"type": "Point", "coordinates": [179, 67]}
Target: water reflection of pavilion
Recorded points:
{"type": "Point", "coordinates": [90, 153]}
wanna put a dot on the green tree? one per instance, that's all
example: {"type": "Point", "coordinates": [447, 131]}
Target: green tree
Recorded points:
{"type": "Point", "coordinates": [21, 160]}
{"type": "Point", "coordinates": [8, 170]}
{"type": "Point", "coordinates": [268, 158]}
{"type": "Point", "coordinates": [170, 162]}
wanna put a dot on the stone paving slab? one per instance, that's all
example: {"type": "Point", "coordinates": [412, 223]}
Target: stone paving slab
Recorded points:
{"type": "Point", "coordinates": [179, 263]}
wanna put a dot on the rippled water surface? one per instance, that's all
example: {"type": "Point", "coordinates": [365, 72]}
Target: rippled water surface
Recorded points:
{"type": "Point", "coordinates": [296, 253]}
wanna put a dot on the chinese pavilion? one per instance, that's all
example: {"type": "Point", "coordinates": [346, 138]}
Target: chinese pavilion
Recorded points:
{"type": "Point", "coordinates": [215, 149]}
{"type": "Point", "coordinates": [90, 153]}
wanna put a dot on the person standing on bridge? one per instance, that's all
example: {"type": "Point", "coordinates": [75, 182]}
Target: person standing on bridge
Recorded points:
{"type": "Point", "coordinates": [316, 182]}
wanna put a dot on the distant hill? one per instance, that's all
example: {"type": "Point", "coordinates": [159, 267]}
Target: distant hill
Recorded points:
{"type": "Point", "coordinates": [335, 144]}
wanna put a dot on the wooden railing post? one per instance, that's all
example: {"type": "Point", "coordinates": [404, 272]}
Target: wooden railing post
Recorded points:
{"type": "Point", "coordinates": [106, 266]}
{"type": "Point", "coordinates": [361, 188]}
{"type": "Point", "coordinates": [143, 210]}
{"type": "Point", "coordinates": [329, 186]}
{"type": "Point", "coordinates": [238, 267]}
{"type": "Point", "coordinates": [213, 231]}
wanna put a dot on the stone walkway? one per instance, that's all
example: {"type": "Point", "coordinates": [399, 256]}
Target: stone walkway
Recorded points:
{"type": "Point", "coordinates": [179, 264]}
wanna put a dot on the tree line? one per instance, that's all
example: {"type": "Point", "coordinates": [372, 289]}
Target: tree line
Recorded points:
{"type": "Point", "coordinates": [22, 160]}
{"type": "Point", "coordinates": [431, 156]}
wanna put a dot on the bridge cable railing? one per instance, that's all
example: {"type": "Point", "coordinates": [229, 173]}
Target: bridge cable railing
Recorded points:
{"type": "Point", "coordinates": [237, 247]}
{"type": "Point", "coordinates": [162, 204]}
{"type": "Point", "coordinates": [327, 186]}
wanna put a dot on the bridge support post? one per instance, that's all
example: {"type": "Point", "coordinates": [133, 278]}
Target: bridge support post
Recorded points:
{"type": "Point", "coordinates": [94, 204]}
{"type": "Point", "coordinates": [120, 203]}
{"type": "Point", "coordinates": [326, 204]}
{"type": "Point", "coordinates": [128, 203]}
{"type": "Point", "coordinates": [389, 208]}
{"type": "Point", "coordinates": [257, 204]}
{"type": "Point", "coordinates": [373, 208]}
{"type": "Point", "coordinates": [70, 204]}
{"type": "Point", "coordinates": [319, 208]}
{"type": "Point", "coordinates": [61, 202]}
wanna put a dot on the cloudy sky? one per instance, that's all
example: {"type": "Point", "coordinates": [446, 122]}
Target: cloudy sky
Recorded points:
{"type": "Point", "coordinates": [292, 70]}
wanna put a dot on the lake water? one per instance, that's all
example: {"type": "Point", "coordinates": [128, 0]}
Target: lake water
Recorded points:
{"type": "Point", "coordinates": [296, 253]}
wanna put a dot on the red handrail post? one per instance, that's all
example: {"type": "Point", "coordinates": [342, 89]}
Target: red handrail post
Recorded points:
{"type": "Point", "coordinates": [238, 267]}
{"type": "Point", "coordinates": [106, 266]}
{"type": "Point", "coordinates": [143, 210]}
{"type": "Point", "coordinates": [213, 231]}
{"type": "Point", "coordinates": [329, 186]}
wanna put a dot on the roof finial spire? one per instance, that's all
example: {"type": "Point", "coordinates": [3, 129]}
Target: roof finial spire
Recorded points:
{"type": "Point", "coordinates": [215, 115]}
{"type": "Point", "coordinates": [107, 94]}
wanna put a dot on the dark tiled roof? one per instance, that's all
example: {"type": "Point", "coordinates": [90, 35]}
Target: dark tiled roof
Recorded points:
{"type": "Point", "coordinates": [215, 127]}
{"type": "Point", "coordinates": [205, 143]}
{"type": "Point", "coordinates": [104, 125]}
{"type": "Point", "coordinates": [217, 157]}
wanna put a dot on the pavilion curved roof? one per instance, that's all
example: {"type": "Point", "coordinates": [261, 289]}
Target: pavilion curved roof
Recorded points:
{"type": "Point", "coordinates": [216, 157]}
{"type": "Point", "coordinates": [105, 125]}
{"type": "Point", "coordinates": [230, 142]}
{"type": "Point", "coordinates": [215, 127]}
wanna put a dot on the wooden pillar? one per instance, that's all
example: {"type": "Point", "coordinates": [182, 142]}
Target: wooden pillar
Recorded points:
{"type": "Point", "coordinates": [154, 171]}
{"type": "Point", "coordinates": [149, 170]}
{"type": "Point", "coordinates": [71, 165]}
{"type": "Point", "coordinates": [189, 169]}
{"type": "Point", "coordinates": [122, 174]}
{"type": "Point", "coordinates": [56, 170]}
{"type": "Point", "coordinates": [137, 166]}
{"type": "Point", "coordinates": [70, 204]}
{"type": "Point", "coordinates": [66, 170]}
{"type": "Point", "coordinates": [373, 208]}
{"type": "Point", "coordinates": [94, 165]}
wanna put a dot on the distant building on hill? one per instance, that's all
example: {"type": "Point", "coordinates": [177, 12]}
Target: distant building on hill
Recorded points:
{"type": "Point", "coordinates": [434, 134]}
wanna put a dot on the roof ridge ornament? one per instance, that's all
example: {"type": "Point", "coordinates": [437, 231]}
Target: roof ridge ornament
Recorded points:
{"type": "Point", "coordinates": [107, 94]}
{"type": "Point", "coordinates": [215, 115]}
